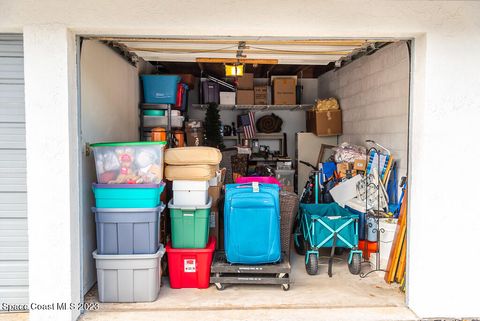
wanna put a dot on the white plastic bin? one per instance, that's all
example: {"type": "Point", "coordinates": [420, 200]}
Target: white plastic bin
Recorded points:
{"type": "Point", "coordinates": [388, 226]}
{"type": "Point", "coordinates": [129, 278]}
{"type": "Point", "coordinates": [286, 177]}
{"type": "Point", "coordinates": [190, 192]}
{"type": "Point", "coordinates": [162, 121]}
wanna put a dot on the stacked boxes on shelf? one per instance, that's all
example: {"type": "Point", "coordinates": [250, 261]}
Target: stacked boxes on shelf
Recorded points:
{"type": "Point", "coordinates": [127, 216]}
{"type": "Point", "coordinates": [191, 249]}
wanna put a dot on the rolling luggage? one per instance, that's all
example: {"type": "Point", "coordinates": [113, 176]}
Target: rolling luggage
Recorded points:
{"type": "Point", "coordinates": [252, 223]}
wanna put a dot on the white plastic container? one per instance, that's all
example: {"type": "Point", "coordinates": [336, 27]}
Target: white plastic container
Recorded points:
{"type": "Point", "coordinates": [227, 98]}
{"type": "Point", "coordinates": [388, 226]}
{"type": "Point", "coordinates": [162, 121]}
{"type": "Point", "coordinates": [129, 162]}
{"type": "Point", "coordinates": [190, 192]}
{"type": "Point", "coordinates": [286, 177]}
{"type": "Point", "coordinates": [129, 278]}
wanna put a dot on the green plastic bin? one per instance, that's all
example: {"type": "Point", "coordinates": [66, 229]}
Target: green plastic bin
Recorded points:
{"type": "Point", "coordinates": [190, 225]}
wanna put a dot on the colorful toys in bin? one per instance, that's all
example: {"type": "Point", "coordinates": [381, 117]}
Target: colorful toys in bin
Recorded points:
{"type": "Point", "coordinates": [129, 162]}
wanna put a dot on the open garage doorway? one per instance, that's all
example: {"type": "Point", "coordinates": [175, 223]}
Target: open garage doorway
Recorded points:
{"type": "Point", "coordinates": [370, 80]}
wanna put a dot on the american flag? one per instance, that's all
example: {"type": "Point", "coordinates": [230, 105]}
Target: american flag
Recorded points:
{"type": "Point", "coordinates": [248, 123]}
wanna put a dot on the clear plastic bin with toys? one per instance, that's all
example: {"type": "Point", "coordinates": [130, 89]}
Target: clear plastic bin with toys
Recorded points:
{"type": "Point", "coordinates": [129, 162]}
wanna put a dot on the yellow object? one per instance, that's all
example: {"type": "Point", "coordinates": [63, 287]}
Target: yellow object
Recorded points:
{"type": "Point", "coordinates": [233, 70]}
{"type": "Point", "coordinates": [326, 104]}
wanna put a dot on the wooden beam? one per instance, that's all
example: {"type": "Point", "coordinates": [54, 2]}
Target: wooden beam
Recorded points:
{"type": "Point", "coordinates": [235, 60]}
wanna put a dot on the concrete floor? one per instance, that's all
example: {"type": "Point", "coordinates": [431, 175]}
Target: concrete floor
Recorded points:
{"type": "Point", "coordinates": [342, 297]}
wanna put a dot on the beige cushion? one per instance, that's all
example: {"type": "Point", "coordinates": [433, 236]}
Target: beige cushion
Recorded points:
{"type": "Point", "coordinates": [190, 172]}
{"type": "Point", "coordinates": [193, 156]}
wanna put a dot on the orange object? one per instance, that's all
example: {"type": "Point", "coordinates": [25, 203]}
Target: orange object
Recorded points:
{"type": "Point", "coordinates": [159, 134]}
{"type": "Point", "coordinates": [180, 138]}
{"type": "Point", "coordinates": [367, 248]}
{"type": "Point", "coordinates": [398, 242]}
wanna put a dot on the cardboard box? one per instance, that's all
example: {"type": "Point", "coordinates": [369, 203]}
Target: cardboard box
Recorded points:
{"type": "Point", "coordinates": [343, 168]}
{"type": "Point", "coordinates": [245, 97]}
{"type": "Point", "coordinates": [227, 98]}
{"type": "Point", "coordinates": [284, 91]}
{"type": "Point", "coordinates": [214, 192]}
{"type": "Point", "coordinates": [260, 95]}
{"type": "Point", "coordinates": [214, 223]}
{"type": "Point", "coordinates": [360, 165]}
{"type": "Point", "coordinates": [324, 123]}
{"type": "Point", "coordinates": [245, 82]}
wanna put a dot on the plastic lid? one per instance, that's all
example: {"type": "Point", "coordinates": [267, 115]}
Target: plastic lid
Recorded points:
{"type": "Point", "coordinates": [116, 144]}
{"type": "Point", "coordinates": [95, 185]}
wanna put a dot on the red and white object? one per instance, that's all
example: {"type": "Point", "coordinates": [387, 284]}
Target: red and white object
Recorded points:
{"type": "Point", "coordinates": [190, 192]}
{"type": "Point", "coordinates": [190, 268]}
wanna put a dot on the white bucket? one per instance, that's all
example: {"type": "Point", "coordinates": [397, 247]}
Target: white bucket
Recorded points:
{"type": "Point", "coordinates": [388, 227]}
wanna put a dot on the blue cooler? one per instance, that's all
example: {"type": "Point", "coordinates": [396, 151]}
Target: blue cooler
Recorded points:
{"type": "Point", "coordinates": [252, 223]}
{"type": "Point", "coordinates": [160, 89]}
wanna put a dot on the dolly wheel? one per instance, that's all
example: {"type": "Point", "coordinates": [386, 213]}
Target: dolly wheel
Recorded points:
{"type": "Point", "coordinates": [312, 265]}
{"type": "Point", "coordinates": [285, 287]}
{"type": "Point", "coordinates": [220, 286]}
{"type": "Point", "coordinates": [355, 266]}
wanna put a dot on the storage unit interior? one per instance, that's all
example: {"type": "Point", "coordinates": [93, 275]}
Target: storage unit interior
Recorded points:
{"type": "Point", "coordinates": [369, 78]}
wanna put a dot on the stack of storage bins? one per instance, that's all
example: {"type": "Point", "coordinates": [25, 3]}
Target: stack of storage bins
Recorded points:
{"type": "Point", "coordinates": [190, 250]}
{"type": "Point", "coordinates": [127, 216]}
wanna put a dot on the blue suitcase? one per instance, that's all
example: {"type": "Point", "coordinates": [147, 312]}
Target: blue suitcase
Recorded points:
{"type": "Point", "coordinates": [252, 223]}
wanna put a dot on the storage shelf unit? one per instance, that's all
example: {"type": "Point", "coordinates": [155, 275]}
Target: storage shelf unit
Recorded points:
{"type": "Point", "coordinates": [257, 107]}
{"type": "Point", "coordinates": [143, 129]}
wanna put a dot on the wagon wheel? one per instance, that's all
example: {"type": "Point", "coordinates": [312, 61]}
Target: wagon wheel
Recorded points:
{"type": "Point", "coordinates": [285, 287]}
{"type": "Point", "coordinates": [355, 266]}
{"type": "Point", "coordinates": [312, 265]}
{"type": "Point", "coordinates": [220, 286]}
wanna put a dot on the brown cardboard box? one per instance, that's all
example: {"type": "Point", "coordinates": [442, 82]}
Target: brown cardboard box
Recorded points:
{"type": "Point", "coordinates": [360, 165]}
{"type": "Point", "coordinates": [260, 95]}
{"type": "Point", "coordinates": [214, 224]}
{"type": "Point", "coordinates": [324, 123]}
{"type": "Point", "coordinates": [342, 169]}
{"type": "Point", "coordinates": [245, 82]}
{"type": "Point", "coordinates": [284, 92]}
{"type": "Point", "coordinates": [214, 192]}
{"type": "Point", "coordinates": [245, 97]}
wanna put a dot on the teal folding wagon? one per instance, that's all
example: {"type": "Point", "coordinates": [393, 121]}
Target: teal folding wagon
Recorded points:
{"type": "Point", "coordinates": [327, 225]}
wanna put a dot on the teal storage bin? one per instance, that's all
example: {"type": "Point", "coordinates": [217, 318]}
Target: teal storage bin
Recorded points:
{"type": "Point", "coordinates": [160, 89]}
{"type": "Point", "coordinates": [127, 195]}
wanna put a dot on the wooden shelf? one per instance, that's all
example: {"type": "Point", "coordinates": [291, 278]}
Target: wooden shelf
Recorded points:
{"type": "Point", "coordinates": [257, 107]}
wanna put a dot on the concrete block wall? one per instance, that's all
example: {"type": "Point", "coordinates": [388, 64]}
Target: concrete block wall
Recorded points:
{"type": "Point", "coordinates": [373, 93]}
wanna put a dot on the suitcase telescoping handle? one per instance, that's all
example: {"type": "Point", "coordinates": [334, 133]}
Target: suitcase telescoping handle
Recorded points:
{"type": "Point", "coordinates": [254, 185]}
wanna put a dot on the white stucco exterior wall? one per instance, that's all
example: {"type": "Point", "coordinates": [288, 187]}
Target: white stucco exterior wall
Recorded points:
{"type": "Point", "coordinates": [444, 115]}
{"type": "Point", "coordinates": [52, 167]}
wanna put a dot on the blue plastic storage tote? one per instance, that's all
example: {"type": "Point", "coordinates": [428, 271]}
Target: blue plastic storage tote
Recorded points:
{"type": "Point", "coordinates": [160, 89]}
{"type": "Point", "coordinates": [127, 195]}
{"type": "Point", "coordinates": [252, 223]}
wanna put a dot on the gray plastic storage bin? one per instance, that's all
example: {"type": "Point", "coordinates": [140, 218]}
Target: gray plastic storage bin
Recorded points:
{"type": "Point", "coordinates": [129, 278]}
{"type": "Point", "coordinates": [127, 230]}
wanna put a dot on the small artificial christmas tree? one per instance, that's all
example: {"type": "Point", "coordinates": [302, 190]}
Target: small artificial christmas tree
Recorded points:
{"type": "Point", "coordinates": [212, 123]}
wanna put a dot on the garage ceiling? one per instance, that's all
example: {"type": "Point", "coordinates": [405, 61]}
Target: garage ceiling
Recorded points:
{"type": "Point", "coordinates": [260, 54]}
